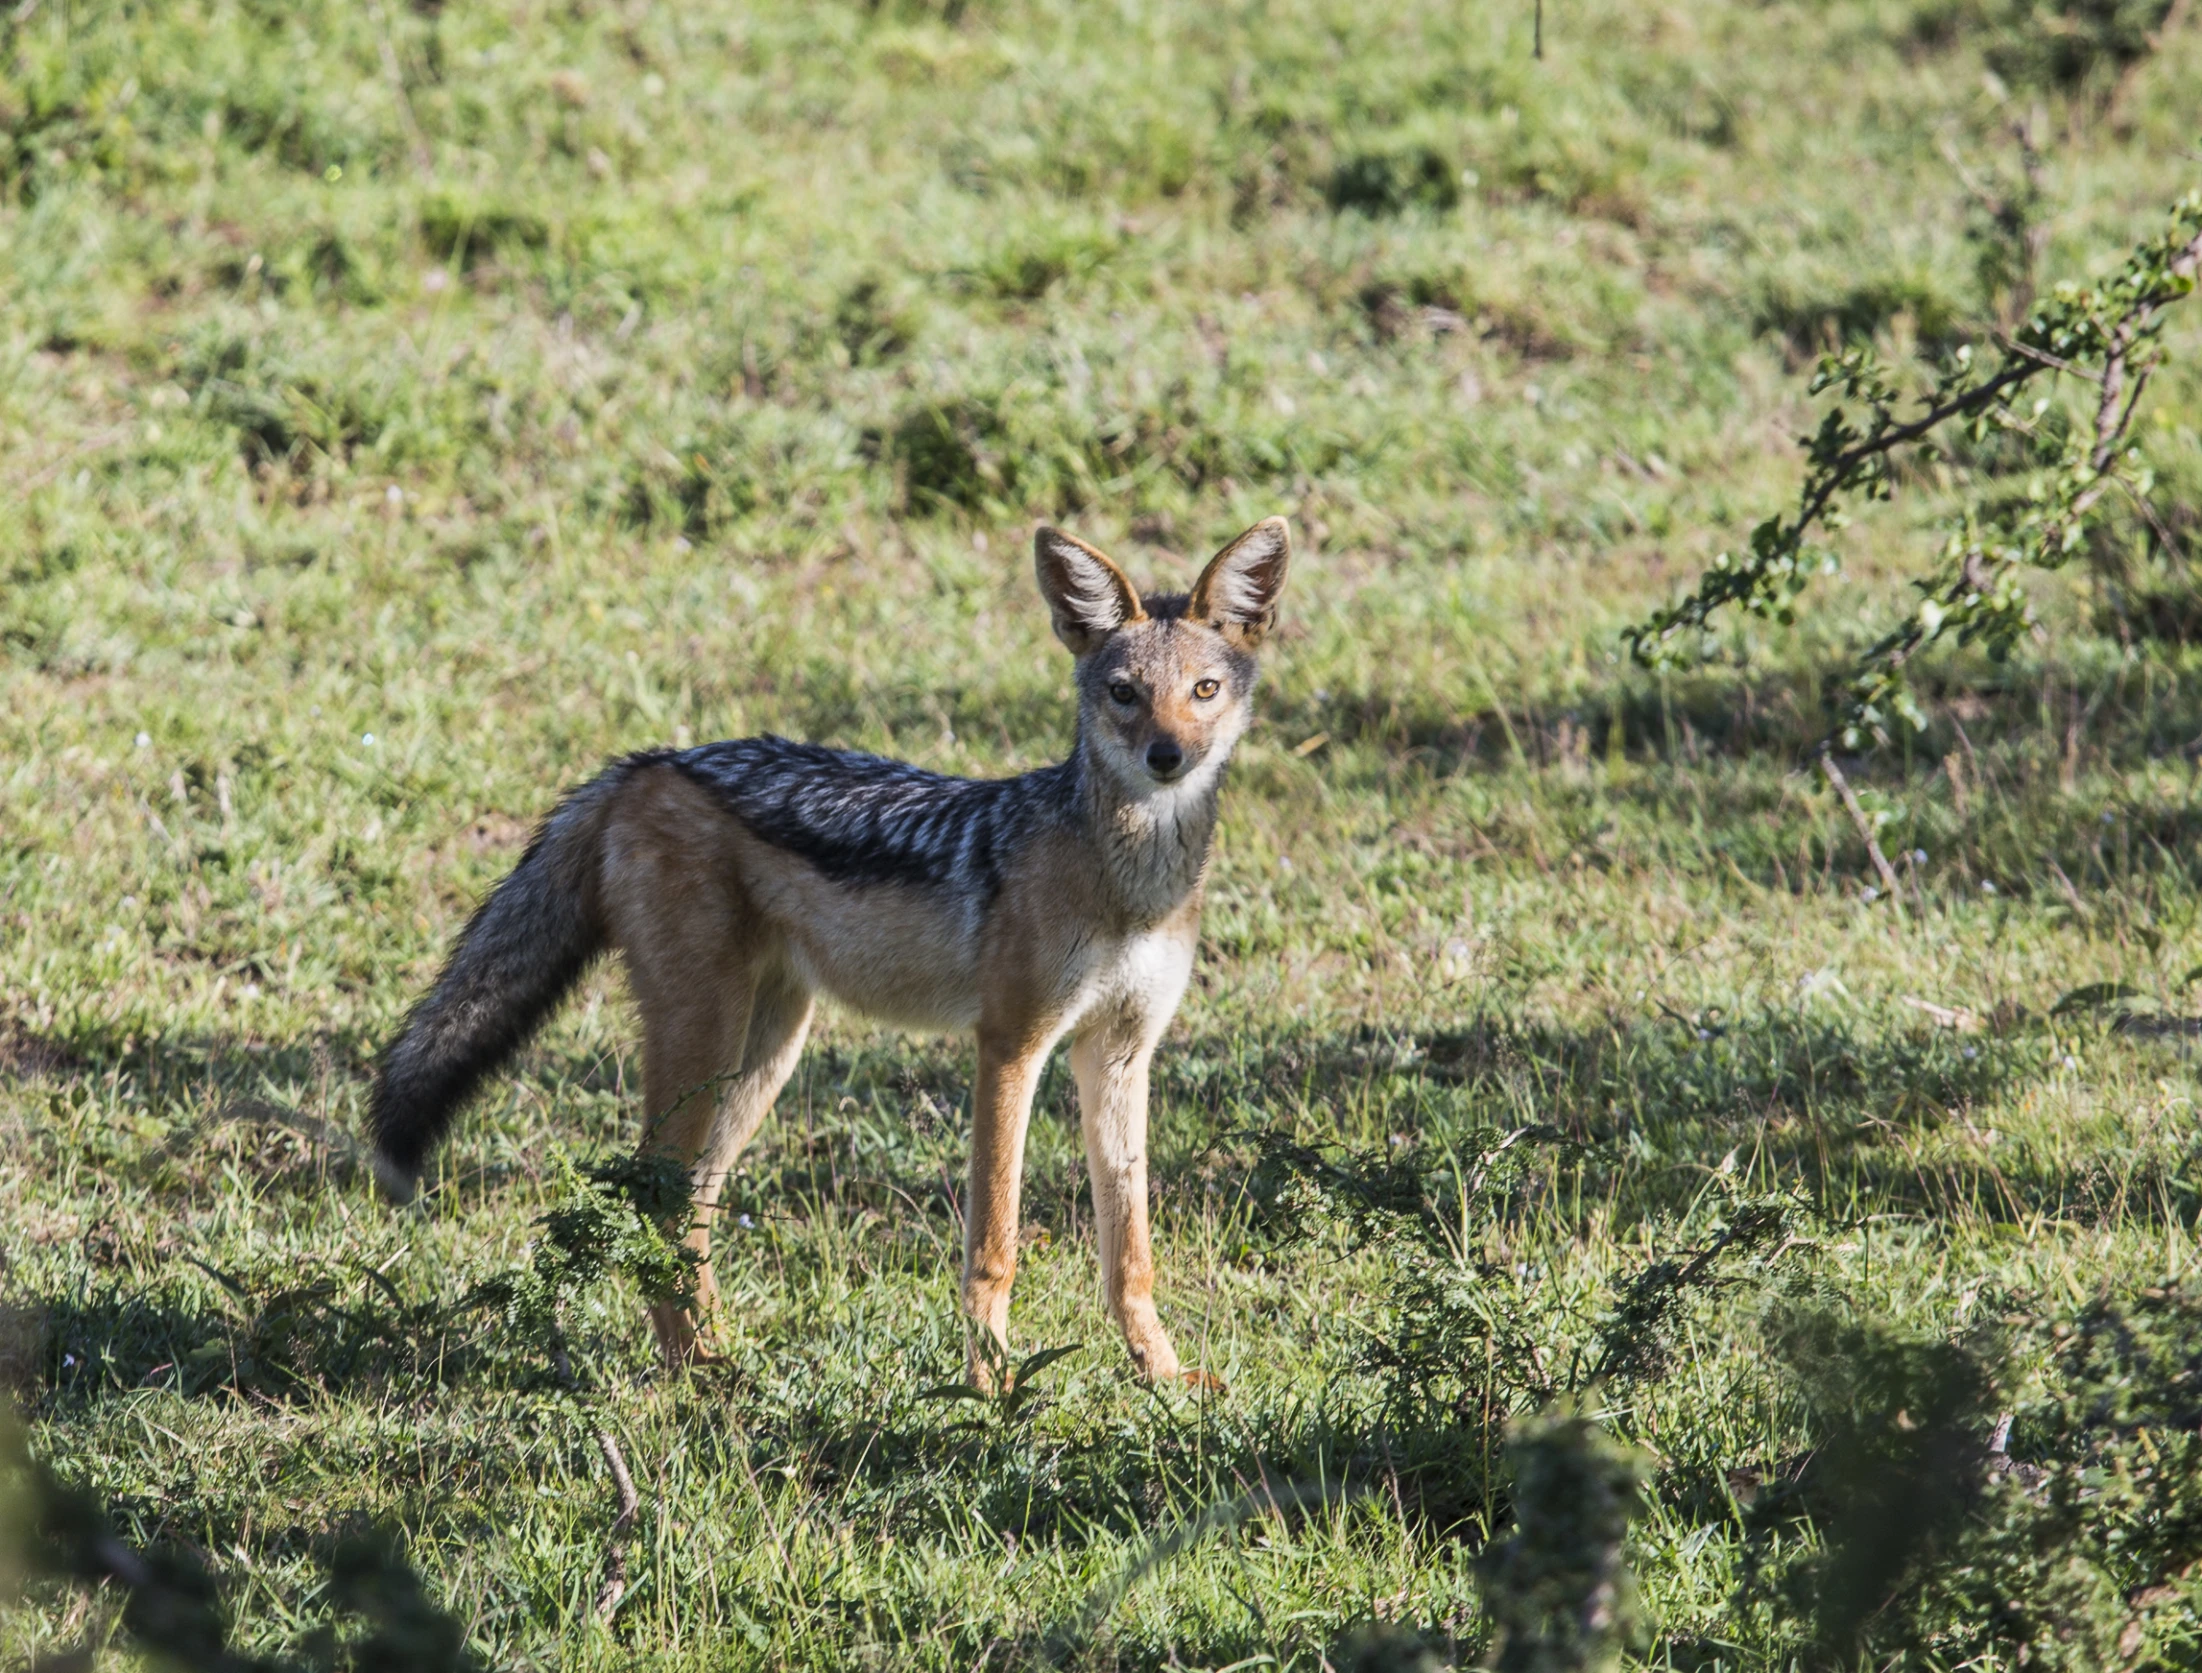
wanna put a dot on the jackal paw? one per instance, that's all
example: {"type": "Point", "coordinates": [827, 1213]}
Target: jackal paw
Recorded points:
{"type": "Point", "coordinates": [987, 1368]}
{"type": "Point", "coordinates": [681, 1340]}
{"type": "Point", "coordinates": [1157, 1366]}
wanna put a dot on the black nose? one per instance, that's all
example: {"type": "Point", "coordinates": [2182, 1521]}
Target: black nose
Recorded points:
{"type": "Point", "coordinates": [1164, 757]}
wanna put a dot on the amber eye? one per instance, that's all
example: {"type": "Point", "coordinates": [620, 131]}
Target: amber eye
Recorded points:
{"type": "Point", "coordinates": [1205, 688]}
{"type": "Point", "coordinates": [1122, 691]}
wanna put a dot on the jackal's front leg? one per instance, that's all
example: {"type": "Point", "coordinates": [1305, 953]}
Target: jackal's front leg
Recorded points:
{"type": "Point", "coordinates": [1110, 1062]}
{"type": "Point", "coordinates": [1002, 1108]}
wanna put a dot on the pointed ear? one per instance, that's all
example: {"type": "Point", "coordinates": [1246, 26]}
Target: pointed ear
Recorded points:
{"type": "Point", "coordinates": [1086, 593]}
{"type": "Point", "coordinates": [1237, 593]}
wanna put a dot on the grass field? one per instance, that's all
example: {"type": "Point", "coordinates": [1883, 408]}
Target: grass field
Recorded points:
{"type": "Point", "coordinates": [404, 407]}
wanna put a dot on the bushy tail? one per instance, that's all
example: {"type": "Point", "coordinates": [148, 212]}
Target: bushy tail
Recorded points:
{"type": "Point", "coordinates": [518, 956]}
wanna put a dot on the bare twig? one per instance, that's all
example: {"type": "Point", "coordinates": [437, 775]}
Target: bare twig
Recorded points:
{"type": "Point", "coordinates": [2169, 541]}
{"type": "Point", "coordinates": [2010, 344]}
{"type": "Point", "coordinates": [1956, 1018]}
{"type": "Point", "coordinates": [1974, 188]}
{"type": "Point", "coordinates": [2071, 894]}
{"type": "Point", "coordinates": [630, 1506]}
{"type": "Point", "coordinates": [1834, 776]}
{"type": "Point", "coordinates": [614, 1588]}
{"type": "Point", "coordinates": [2110, 423]}
{"type": "Point", "coordinates": [2035, 240]}
{"type": "Point", "coordinates": [2011, 213]}
{"type": "Point", "coordinates": [2110, 420]}
{"type": "Point", "coordinates": [69, 456]}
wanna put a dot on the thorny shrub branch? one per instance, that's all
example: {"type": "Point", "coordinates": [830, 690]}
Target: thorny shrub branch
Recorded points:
{"type": "Point", "coordinates": [2108, 333]}
{"type": "Point", "coordinates": [623, 1217]}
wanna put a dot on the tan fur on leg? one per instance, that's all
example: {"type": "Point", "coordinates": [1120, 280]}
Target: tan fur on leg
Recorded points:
{"type": "Point", "coordinates": [690, 940]}
{"type": "Point", "coordinates": [1110, 1062]}
{"type": "Point", "coordinates": [1002, 1108]}
{"type": "Point", "coordinates": [779, 1018]}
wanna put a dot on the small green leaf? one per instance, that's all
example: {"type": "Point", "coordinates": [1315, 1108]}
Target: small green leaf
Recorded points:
{"type": "Point", "coordinates": [1035, 1363]}
{"type": "Point", "coordinates": [234, 1285]}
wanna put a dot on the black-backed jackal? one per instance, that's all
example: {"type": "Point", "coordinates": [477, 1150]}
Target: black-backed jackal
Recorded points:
{"type": "Point", "coordinates": [740, 880]}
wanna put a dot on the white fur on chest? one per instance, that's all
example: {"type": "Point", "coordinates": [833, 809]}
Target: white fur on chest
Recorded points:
{"type": "Point", "coordinates": [1141, 975]}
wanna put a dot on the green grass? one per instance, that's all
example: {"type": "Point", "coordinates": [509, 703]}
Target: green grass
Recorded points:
{"type": "Point", "coordinates": [405, 408]}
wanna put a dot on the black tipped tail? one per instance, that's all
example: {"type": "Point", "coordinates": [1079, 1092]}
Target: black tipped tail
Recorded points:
{"type": "Point", "coordinates": [518, 956]}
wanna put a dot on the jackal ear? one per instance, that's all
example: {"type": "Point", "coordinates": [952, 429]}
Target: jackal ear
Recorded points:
{"type": "Point", "coordinates": [1237, 593]}
{"type": "Point", "coordinates": [1086, 594]}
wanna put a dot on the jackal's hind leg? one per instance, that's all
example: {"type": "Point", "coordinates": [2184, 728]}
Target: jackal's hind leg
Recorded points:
{"type": "Point", "coordinates": [692, 1041]}
{"type": "Point", "coordinates": [779, 1018]}
{"type": "Point", "coordinates": [709, 1090]}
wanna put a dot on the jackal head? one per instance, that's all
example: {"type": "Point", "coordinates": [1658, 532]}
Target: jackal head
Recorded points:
{"type": "Point", "coordinates": [1164, 682]}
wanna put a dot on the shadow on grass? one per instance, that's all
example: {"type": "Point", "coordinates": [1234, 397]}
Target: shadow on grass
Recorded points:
{"type": "Point", "coordinates": [288, 1332]}
{"type": "Point", "coordinates": [254, 1105]}
{"type": "Point", "coordinates": [1869, 1121]}
{"type": "Point", "coordinates": [1650, 1110]}
{"type": "Point", "coordinates": [1802, 1094]}
{"type": "Point", "coordinates": [2107, 714]}
{"type": "Point", "coordinates": [887, 1449]}
{"type": "Point", "coordinates": [1712, 774]}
